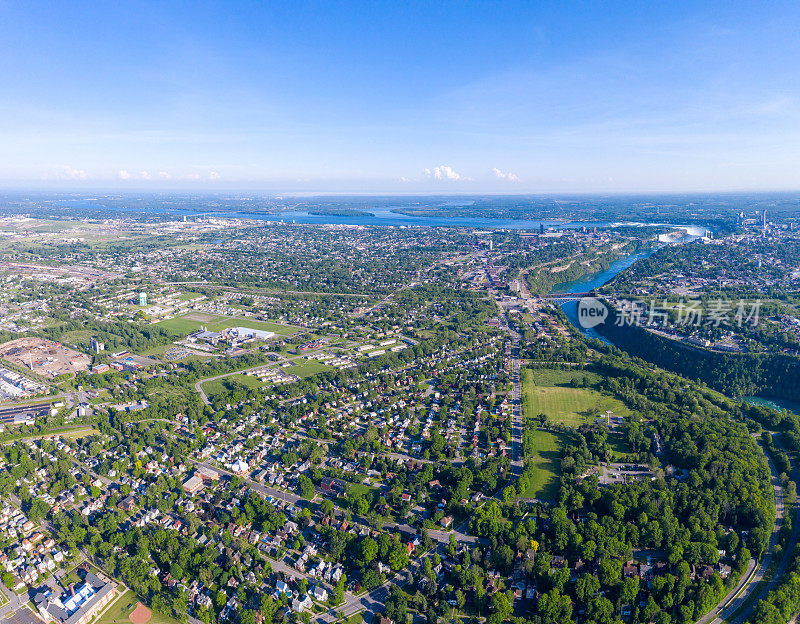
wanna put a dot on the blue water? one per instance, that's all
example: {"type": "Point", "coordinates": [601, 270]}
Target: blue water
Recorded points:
{"type": "Point", "coordinates": [596, 280]}
{"type": "Point", "coordinates": [387, 217]}
{"type": "Point", "coordinates": [590, 282]}
{"type": "Point", "coordinates": [381, 216]}
{"type": "Point", "coordinates": [776, 404]}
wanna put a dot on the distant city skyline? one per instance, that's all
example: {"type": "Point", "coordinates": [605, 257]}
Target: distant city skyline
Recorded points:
{"type": "Point", "coordinates": [391, 98]}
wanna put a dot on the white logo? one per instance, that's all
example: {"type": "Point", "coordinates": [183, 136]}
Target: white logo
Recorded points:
{"type": "Point", "coordinates": [591, 312]}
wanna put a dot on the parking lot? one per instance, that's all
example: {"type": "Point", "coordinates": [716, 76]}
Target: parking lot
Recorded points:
{"type": "Point", "coordinates": [622, 473]}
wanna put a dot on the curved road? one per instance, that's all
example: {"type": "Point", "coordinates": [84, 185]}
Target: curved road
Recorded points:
{"type": "Point", "coordinates": [725, 610]}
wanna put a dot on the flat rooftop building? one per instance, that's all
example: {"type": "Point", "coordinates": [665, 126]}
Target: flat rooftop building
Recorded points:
{"type": "Point", "coordinates": [78, 605]}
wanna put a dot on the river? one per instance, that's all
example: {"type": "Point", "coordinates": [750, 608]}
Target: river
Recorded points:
{"type": "Point", "coordinates": [590, 282]}
{"type": "Point", "coordinates": [776, 404]}
{"type": "Point", "coordinates": [596, 280]}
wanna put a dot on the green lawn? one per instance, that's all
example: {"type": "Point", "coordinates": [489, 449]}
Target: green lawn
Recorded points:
{"type": "Point", "coordinates": [119, 611]}
{"type": "Point", "coordinates": [306, 368]}
{"type": "Point", "coordinates": [158, 351]}
{"type": "Point", "coordinates": [175, 393]}
{"type": "Point", "coordinates": [77, 337]}
{"type": "Point", "coordinates": [547, 466]}
{"type": "Point", "coordinates": [187, 295]}
{"type": "Point", "coordinates": [75, 434]}
{"type": "Point", "coordinates": [216, 386]}
{"type": "Point", "coordinates": [281, 330]}
{"type": "Point", "coordinates": [359, 489]}
{"type": "Point", "coordinates": [180, 325]}
{"type": "Point", "coordinates": [186, 325]}
{"type": "Point", "coordinates": [619, 447]}
{"type": "Point", "coordinates": [564, 404]}
{"type": "Point", "coordinates": [557, 377]}
{"type": "Point", "coordinates": [67, 432]}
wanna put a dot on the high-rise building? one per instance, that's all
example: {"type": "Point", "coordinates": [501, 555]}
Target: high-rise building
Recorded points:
{"type": "Point", "coordinates": [142, 299]}
{"type": "Point", "coordinates": [96, 345]}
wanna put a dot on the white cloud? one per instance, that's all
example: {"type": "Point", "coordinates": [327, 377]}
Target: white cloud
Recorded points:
{"type": "Point", "coordinates": [443, 172]}
{"type": "Point", "coordinates": [193, 176]}
{"type": "Point", "coordinates": [144, 175]}
{"type": "Point", "coordinates": [64, 172]}
{"type": "Point", "coordinates": [213, 175]}
{"type": "Point", "coordinates": [511, 177]}
{"type": "Point", "coordinates": [164, 175]}
{"type": "Point", "coordinates": [124, 175]}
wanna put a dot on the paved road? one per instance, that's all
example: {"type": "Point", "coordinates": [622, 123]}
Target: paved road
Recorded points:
{"type": "Point", "coordinates": [516, 401]}
{"type": "Point", "coordinates": [199, 385]}
{"type": "Point", "coordinates": [370, 603]}
{"type": "Point", "coordinates": [786, 560]}
{"type": "Point", "coordinates": [255, 485]}
{"type": "Point", "coordinates": [14, 604]}
{"type": "Point", "coordinates": [440, 536]}
{"type": "Point", "coordinates": [725, 610]}
{"type": "Point", "coordinates": [288, 570]}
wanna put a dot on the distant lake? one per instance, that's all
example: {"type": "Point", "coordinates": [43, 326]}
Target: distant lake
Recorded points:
{"type": "Point", "coordinates": [381, 216]}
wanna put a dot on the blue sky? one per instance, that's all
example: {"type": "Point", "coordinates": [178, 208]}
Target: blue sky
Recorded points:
{"type": "Point", "coordinates": [401, 97]}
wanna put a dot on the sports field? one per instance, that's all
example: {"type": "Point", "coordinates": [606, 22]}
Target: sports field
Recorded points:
{"type": "Point", "coordinates": [119, 612]}
{"type": "Point", "coordinates": [563, 403]}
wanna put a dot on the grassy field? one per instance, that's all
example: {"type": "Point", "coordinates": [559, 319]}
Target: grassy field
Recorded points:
{"type": "Point", "coordinates": [216, 386]}
{"type": "Point", "coordinates": [187, 295]}
{"type": "Point", "coordinates": [119, 611]}
{"type": "Point", "coordinates": [75, 434]}
{"type": "Point", "coordinates": [557, 377]}
{"type": "Point", "coordinates": [547, 459]}
{"type": "Point", "coordinates": [157, 352]}
{"type": "Point", "coordinates": [306, 368]}
{"type": "Point", "coordinates": [619, 447]}
{"type": "Point", "coordinates": [78, 337]}
{"type": "Point", "coordinates": [177, 393]}
{"type": "Point", "coordinates": [188, 323]}
{"type": "Point", "coordinates": [181, 325]}
{"type": "Point", "coordinates": [562, 403]}
{"type": "Point", "coordinates": [359, 489]}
